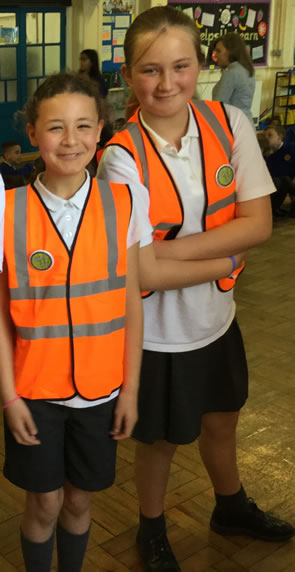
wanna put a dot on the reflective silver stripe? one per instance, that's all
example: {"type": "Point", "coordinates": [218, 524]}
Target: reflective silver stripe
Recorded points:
{"type": "Point", "coordinates": [135, 133]}
{"type": "Point", "coordinates": [211, 118]}
{"type": "Point", "coordinates": [20, 236]}
{"type": "Point", "coordinates": [59, 291]}
{"type": "Point", "coordinates": [87, 330]}
{"type": "Point", "coordinates": [110, 217]}
{"type": "Point", "coordinates": [81, 331]}
{"type": "Point", "coordinates": [218, 205]}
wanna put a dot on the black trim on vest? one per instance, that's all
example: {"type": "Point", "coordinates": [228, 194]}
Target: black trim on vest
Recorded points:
{"type": "Point", "coordinates": [226, 118]}
{"type": "Point", "coordinates": [68, 289]}
{"type": "Point", "coordinates": [203, 170]}
{"type": "Point", "coordinates": [131, 200]}
{"type": "Point", "coordinates": [172, 233]}
{"type": "Point", "coordinates": [205, 186]}
{"type": "Point", "coordinates": [50, 218]}
{"type": "Point", "coordinates": [217, 282]}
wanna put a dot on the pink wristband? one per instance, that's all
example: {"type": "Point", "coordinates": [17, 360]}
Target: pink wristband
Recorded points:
{"type": "Point", "coordinates": [10, 402]}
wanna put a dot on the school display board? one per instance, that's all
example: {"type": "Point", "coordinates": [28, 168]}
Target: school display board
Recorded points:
{"type": "Point", "coordinates": [114, 28]}
{"type": "Point", "coordinates": [215, 18]}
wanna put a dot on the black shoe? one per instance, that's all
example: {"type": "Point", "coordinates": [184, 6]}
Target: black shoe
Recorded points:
{"type": "Point", "coordinates": [251, 521]}
{"type": "Point", "coordinates": [156, 554]}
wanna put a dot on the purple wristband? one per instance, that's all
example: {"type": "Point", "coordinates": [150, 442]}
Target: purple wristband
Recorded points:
{"type": "Point", "coordinates": [234, 263]}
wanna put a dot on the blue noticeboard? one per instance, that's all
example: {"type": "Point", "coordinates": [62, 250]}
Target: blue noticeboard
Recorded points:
{"type": "Point", "coordinates": [114, 29]}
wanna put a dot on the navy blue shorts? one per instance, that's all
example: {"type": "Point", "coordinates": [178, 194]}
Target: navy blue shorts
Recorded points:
{"type": "Point", "coordinates": [177, 389]}
{"type": "Point", "coordinates": [75, 446]}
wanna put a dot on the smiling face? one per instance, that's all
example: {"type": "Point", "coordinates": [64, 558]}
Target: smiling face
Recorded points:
{"type": "Point", "coordinates": [221, 55]}
{"type": "Point", "coordinates": [164, 72]}
{"type": "Point", "coordinates": [66, 131]}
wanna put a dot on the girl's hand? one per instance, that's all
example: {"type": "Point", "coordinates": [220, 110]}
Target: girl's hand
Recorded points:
{"type": "Point", "coordinates": [125, 415]}
{"type": "Point", "coordinates": [21, 423]}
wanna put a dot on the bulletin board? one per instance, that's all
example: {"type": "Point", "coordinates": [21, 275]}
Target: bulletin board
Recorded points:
{"type": "Point", "coordinates": [215, 18]}
{"type": "Point", "coordinates": [114, 29]}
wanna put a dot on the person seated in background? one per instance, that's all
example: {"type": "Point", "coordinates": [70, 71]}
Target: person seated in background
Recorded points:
{"type": "Point", "coordinates": [11, 165]}
{"type": "Point", "coordinates": [263, 144]}
{"type": "Point", "coordinates": [280, 160]}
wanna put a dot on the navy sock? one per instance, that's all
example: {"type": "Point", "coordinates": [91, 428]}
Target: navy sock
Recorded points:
{"type": "Point", "coordinates": [37, 555]}
{"type": "Point", "coordinates": [232, 503]}
{"type": "Point", "coordinates": [71, 549]}
{"type": "Point", "coordinates": [151, 527]}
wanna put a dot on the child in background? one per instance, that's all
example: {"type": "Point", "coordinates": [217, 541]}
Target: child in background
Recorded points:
{"type": "Point", "coordinates": [11, 152]}
{"type": "Point", "coordinates": [280, 160]}
{"type": "Point", "coordinates": [201, 171]}
{"type": "Point", "coordinates": [68, 380]}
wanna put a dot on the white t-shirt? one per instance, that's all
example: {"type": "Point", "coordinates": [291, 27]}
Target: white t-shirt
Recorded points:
{"type": "Point", "coordinates": [66, 215]}
{"type": "Point", "coordinates": [191, 318]}
{"type": "Point", "coordinates": [2, 208]}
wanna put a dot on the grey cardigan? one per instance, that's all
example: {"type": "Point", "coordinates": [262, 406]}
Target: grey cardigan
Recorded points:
{"type": "Point", "coordinates": [236, 87]}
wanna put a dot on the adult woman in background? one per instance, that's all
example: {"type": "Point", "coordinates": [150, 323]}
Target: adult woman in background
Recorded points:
{"type": "Point", "coordinates": [237, 83]}
{"type": "Point", "coordinates": [89, 64]}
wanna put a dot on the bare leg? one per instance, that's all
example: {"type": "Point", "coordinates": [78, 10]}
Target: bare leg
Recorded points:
{"type": "Point", "coordinates": [40, 515]}
{"type": "Point", "coordinates": [217, 444]}
{"type": "Point", "coordinates": [152, 472]}
{"type": "Point", "coordinates": [75, 513]}
{"type": "Point", "coordinates": [72, 531]}
{"type": "Point", "coordinates": [37, 538]}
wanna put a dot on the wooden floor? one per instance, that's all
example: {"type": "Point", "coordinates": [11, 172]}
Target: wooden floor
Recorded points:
{"type": "Point", "coordinates": [266, 438]}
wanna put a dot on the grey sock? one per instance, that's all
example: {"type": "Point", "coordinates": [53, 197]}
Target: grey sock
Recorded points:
{"type": "Point", "coordinates": [37, 555]}
{"type": "Point", "coordinates": [71, 549]}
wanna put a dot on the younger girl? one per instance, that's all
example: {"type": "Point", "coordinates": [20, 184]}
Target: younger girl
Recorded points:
{"type": "Point", "coordinates": [204, 174]}
{"type": "Point", "coordinates": [63, 295]}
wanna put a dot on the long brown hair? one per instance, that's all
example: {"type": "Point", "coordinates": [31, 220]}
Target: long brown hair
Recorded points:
{"type": "Point", "coordinates": [157, 19]}
{"type": "Point", "coordinates": [237, 50]}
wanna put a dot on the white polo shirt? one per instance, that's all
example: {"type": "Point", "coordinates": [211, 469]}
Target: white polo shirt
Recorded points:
{"type": "Point", "coordinates": [191, 318]}
{"type": "Point", "coordinates": [66, 215]}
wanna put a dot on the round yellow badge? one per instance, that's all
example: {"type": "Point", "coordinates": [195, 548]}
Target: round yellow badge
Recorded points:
{"type": "Point", "coordinates": [225, 175]}
{"type": "Point", "coordinates": [41, 260]}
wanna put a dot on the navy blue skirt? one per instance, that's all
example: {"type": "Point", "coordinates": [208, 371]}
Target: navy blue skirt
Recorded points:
{"type": "Point", "coordinates": [176, 389]}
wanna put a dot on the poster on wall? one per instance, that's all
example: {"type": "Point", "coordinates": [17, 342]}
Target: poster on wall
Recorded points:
{"type": "Point", "coordinates": [114, 30]}
{"type": "Point", "coordinates": [213, 19]}
{"type": "Point", "coordinates": [117, 6]}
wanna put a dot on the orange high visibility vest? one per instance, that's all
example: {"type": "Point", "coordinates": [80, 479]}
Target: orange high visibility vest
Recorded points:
{"type": "Point", "coordinates": [166, 209]}
{"type": "Point", "coordinates": [68, 306]}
